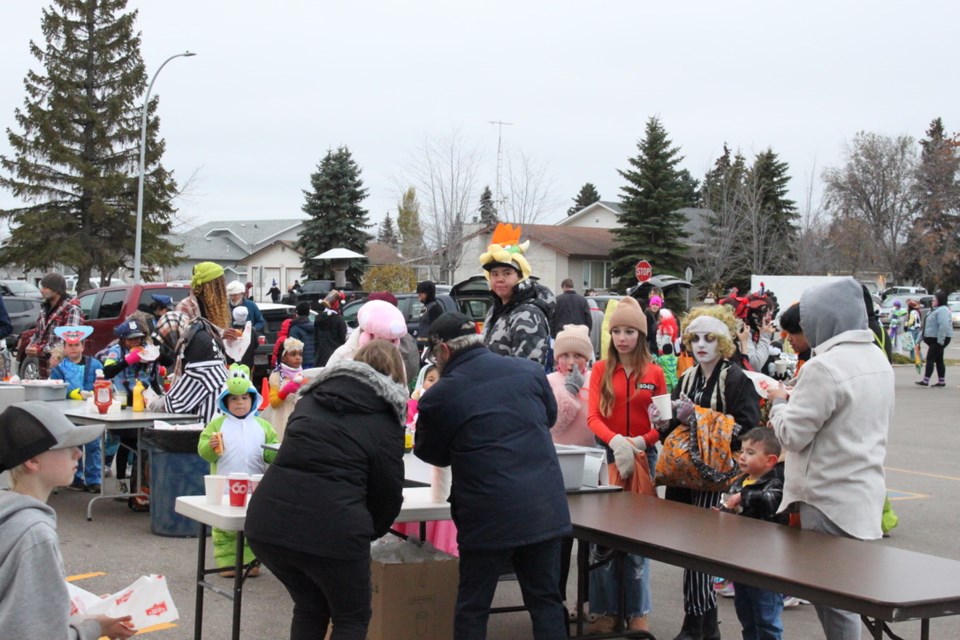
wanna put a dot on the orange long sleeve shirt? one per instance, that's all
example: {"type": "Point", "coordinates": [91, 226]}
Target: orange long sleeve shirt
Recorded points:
{"type": "Point", "coordinates": [629, 417]}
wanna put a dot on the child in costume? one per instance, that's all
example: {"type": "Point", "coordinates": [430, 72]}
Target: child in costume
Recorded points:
{"type": "Point", "coordinates": [285, 381]}
{"type": "Point", "coordinates": [231, 444]}
{"type": "Point", "coordinates": [668, 362]}
{"type": "Point", "coordinates": [80, 372]}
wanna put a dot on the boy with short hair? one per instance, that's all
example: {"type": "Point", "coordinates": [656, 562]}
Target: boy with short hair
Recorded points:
{"type": "Point", "coordinates": [80, 373]}
{"type": "Point", "coordinates": [39, 448]}
{"type": "Point", "coordinates": [231, 443]}
{"type": "Point", "coordinates": [757, 494]}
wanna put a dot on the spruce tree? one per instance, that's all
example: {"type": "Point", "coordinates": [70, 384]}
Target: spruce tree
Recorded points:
{"type": "Point", "coordinates": [387, 234]}
{"type": "Point", "coordinates": [75, 158]}
{"type": "Point", "coordinates": [587, 196]}
{"type": "Point", "coordinates": [934, 240]}
{"type": "Point", "coordinates": [336, 218]}
{"type": "Point", "coordinates": [408, 225]}
{"type": "Point", "coordinates": [488, 210]}
{"type": "Point", "coordinates": [651, 225]}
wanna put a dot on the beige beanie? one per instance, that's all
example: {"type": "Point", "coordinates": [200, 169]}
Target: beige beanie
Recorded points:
{"type": "Point", "coordinates": [629, 314]}
{"type": "Point", "coordinates": [574, 338]}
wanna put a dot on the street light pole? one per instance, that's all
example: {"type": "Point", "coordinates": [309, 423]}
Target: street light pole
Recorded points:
{"type": "Point", "coordinates": [143, 156]}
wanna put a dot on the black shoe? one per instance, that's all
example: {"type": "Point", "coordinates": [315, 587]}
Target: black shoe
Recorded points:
{"type": "Point", "coordinates": [76, 485]}
{"type": "Point", "coordinates": [692, 628]}
{"type": "Point", "coordinates": [921, 383]}
{"type": "Point", "coordinates": [93, 488]}
{"type": "Point", "coordinates": [711, 625]}
{"type": "Point", "coordinates": [939, 384]}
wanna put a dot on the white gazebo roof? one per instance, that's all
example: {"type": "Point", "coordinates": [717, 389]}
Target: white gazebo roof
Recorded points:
{"type": "Point", "coordinates": [339, 254]}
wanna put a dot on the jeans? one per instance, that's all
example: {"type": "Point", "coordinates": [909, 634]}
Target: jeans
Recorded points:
{"type": "Point", "coordinates": [604, 580]}
{"type": "Point", "coordinates": [323, 590]}
{"type": "Point", "coordinates": [90, 472]}
{"type": "Point", "coordinates": [538, 571]}
{"type": "Point", "coordinates": [759, 612]}
{"type": "Point", "coordinates": [837, 624]}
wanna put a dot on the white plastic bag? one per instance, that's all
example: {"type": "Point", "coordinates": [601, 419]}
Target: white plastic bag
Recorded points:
{"type": "Point", "coordinates": [236, 348]}
{"type": "Point", "coordinates": [147, 600]}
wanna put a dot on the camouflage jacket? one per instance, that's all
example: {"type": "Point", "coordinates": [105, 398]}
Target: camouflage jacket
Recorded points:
{"type": "Point", "coordinates": [521, 328]}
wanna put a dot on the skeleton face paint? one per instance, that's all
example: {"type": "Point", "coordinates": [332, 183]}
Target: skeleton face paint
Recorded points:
{"type": "Point", "coordinates": [705, 348]}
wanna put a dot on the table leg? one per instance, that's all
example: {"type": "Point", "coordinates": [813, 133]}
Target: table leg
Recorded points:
{"type": "Point", "coordinates": [201, 566]}
{"type": "Point", "coordinates": [583, 574]}
{"type": "Point", "coordinates": [925, 629]}
{"type": "Point", "coordinates": [103, 463]}
{"type": "Point", "coordinates": [238, 586]}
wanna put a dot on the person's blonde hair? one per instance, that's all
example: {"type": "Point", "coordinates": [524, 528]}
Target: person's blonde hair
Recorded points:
{"type": "Point", "coordinates": [641, 358]}
{"type": "Point", "coordinates": [214, 304]}
{"type": "Point", "coordinates": [385, 358]}
{"type": "Point", "coordinates": [16, 474]}
{"type": "Point", "coordinates": [725, 344]}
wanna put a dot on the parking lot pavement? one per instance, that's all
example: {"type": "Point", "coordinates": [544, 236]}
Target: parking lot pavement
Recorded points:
{"type": "Point", "coordinates": [922, 475]}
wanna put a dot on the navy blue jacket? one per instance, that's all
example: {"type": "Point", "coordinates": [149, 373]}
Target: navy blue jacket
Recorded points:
{"type": "Point", "coordinates": [302, 329]}
{"type": "Point", "coordinates": [489, 418]}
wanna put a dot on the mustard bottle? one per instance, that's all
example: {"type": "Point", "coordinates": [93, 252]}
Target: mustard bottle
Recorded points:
{"type": "Point", "coordinates": [138, 389]}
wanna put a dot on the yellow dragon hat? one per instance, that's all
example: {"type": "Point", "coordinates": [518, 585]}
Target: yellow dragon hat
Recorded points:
{"type": "Point", "coordinates": [506, 250]}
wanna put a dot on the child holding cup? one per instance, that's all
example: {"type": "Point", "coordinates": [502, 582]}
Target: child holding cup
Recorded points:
{"type": "Point", "coordinates": [231, 443]}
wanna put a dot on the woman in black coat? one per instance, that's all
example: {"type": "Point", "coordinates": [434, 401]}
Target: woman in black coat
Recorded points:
{"type": "Point", "coordinates": [336, 484]}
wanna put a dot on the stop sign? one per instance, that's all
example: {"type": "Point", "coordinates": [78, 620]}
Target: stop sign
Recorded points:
{"type": "Point", "coordinates": [644, 271]}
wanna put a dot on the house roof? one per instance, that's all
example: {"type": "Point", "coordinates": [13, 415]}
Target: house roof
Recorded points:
{"type": "Point", "coordinates": [583, 213]}
{"type": "Point", "coordinates": [231, 239]}
{"type": "Point", "coordinates": [568, 241]}
{"type": "Point", "coordinates": [378, 253]}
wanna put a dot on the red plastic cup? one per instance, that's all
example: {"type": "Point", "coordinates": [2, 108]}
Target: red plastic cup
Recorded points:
{"type": "Point", "coordinates": [238, 484]}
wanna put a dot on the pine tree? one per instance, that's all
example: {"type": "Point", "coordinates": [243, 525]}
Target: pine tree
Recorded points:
{"type": "Point", "coordinates": [651, 223]}
{"type": "Point", "coordinates": [488, 210]}
{"type": "Point", "coordinates": [336, 218]}
{"type": "Point", "coordinates": [934, 240]}
{"type": "Point", "coordinates": [387, 234]}
{"type": "Point", "coordinates": [75, 163]}
{"type": "Point", "coordinates": [587, 196]}
{"type": "Point", "coordinates": [408, 225]}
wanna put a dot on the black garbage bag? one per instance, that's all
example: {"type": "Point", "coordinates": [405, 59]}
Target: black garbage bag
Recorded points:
{"type": "Point", "coordinates": [171, 441]}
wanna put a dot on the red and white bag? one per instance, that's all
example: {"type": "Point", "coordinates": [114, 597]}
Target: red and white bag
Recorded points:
{"type": "Point", "coordinates": [147, 600]}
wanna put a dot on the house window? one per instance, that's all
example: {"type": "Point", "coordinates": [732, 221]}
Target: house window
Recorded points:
{"type": "Point", "coordinates": [596, 274]}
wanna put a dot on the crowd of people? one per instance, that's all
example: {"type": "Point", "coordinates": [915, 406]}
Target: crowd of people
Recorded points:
{"type": "Point", "coordinates": [485, 409]}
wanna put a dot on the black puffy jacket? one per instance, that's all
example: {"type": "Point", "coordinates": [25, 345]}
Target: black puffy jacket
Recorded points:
{"type": "Point", "coordinates": [337, 481]}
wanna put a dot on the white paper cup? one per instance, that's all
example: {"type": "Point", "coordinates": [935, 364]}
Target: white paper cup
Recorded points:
{"type": "Point", "coordinates": [214, 487]}
{"type": "Point", "coordinates": [664, 405]}
{"type": "Point", "coordinates": [781, 366]}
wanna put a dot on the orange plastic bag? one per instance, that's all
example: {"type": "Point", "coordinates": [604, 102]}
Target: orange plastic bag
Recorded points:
{"type": "Point", "coordinates": [700, 457]}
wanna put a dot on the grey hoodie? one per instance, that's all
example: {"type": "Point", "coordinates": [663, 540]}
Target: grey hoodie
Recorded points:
{"type": "Point", "coordinates": [824, 312]}
{"type": "Point", "coordinates": [33, 595]}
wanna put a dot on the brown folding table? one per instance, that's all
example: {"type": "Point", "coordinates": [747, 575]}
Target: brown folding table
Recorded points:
{"type": "Point", "coordinates": [879, 582]}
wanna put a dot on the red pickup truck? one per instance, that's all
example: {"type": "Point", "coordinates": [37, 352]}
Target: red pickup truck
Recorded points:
{"type": "Point", "coordinates": [103, 309]}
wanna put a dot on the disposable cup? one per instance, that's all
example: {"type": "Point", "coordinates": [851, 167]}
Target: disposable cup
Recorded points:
{"type": "Point", "coordinates": [238, 485]}
{"type": "Point", "coordinates": [255, 479]}
{"type": "Point", "coordinates": [214, 487]}
{"type": "Point", "coordinates": [664, 405]}
{"type": "Point", "coordinates": [781, 366]}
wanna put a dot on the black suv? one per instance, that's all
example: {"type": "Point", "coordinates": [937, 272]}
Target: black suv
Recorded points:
{"type": "Point", "coordinates": [312, 291]}
{"type": "Point", "coordinates": [273, 317]}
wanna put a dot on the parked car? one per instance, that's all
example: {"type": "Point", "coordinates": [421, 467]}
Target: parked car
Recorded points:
{"type": "Point", "coordinates": [955, 312]}
{"type": "Point", "coordinates": [273, 317]}
{"type": "Point", "coordinates": [20, 288]}
{"type": "Point", "coordinates": [886, 307]}
{"type": "Point", "coordinates": [23, 313]}
{"type": "Point", "coordinates": [103, 309]}
{"type": "Point", "coordinates": [311, 291]}
{"type": "Point", "coordinates": [899, 290]}
{"type": "Point", "coordinates": [953, 297]}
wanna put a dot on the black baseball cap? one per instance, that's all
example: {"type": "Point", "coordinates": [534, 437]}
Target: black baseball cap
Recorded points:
{"type": "Point", "coordinates": [27, 429]}
{"type": "Point", "coordinates": [450, 325]}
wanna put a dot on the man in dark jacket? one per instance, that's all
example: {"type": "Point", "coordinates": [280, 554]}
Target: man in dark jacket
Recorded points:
{"type": "Point", "coordinates": [427, 292]}
{"type": "Point", "coordinates": [572, 308]}
{"type": "Point", "coordinates": [507, 499]}
{"type": "Point", "coordinates": [303, 330]}
{"type": "Point", "coordinates": [330, 329]}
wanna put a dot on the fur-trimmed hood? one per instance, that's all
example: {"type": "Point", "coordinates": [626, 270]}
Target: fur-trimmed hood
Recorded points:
{"type": "Point", "coordinates": [389, 391]}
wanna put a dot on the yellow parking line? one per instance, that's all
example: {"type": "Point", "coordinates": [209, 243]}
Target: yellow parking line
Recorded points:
{"type": "Point", "coordinates": [156, 627]}
{"type": "Point", "coordinates": [910, 495]}
{"type": "Point", "coordinates": [84, 576]}
{"type": "Point", "coordinates": [921, 473]}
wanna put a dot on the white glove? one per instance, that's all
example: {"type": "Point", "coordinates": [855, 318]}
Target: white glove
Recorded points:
{"type": "Point", "coordinates": [157, 405]}
{"type": "Point", "coordinates": [623, 452]}
{"type": "Point", "coordinates": [638, 443]}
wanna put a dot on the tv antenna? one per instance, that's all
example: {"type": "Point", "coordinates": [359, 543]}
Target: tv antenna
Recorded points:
{"type": "Point", "coordinates": [500, 124]}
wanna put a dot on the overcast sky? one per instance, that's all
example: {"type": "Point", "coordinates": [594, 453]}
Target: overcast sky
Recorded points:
{"type": "Point", "coordinates": [276, 84]}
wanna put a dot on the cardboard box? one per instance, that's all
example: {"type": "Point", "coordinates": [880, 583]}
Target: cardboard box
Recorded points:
{"type": "Point", "coordinates": [413, 600]}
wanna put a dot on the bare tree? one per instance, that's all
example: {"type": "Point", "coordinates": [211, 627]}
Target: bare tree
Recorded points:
{"type": "Point", "coordinates": [528, 195]}
{"type": "Point", "coordinates": [444, 171]}
{"type": "Point", "coordinates": [716, 257]}
{"type": "Point", "coordinates": [875, 186]}
{"type": "Point", "coordinates": [813, 255]}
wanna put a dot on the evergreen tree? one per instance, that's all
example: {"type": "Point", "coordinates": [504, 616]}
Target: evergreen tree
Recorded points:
{"type": "Point", "coordinates": [587, 196]}
{"type": "Point", "coordinates": [934, 240]}
{"type": "Point", "coordinates": [408, 225]}
{"type": "Point", "coordinates": [387, 234]}
{"type": "Point", "coordinates": [336, 217]}
{"type": "Point", "coordinates": [772, 236]}
{"type": "Point", "coordinates": [488, 210]}
{"type": "Point", "coordinates": [651, 223]}
{"type": "Point", "coordinates": [75, 161]}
